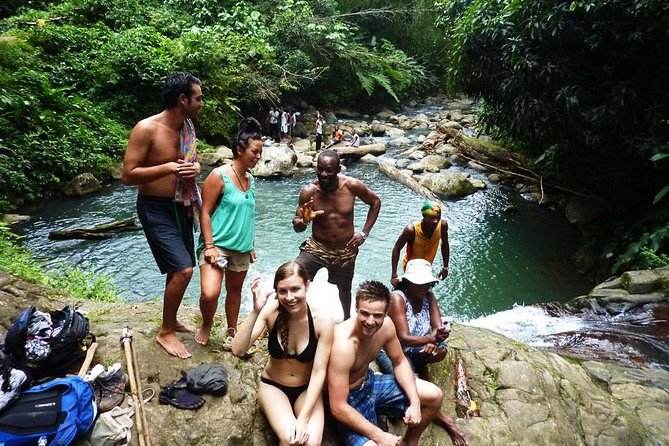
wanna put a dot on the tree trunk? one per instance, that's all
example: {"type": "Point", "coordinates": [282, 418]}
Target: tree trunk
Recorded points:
{"type": "Point", "coordinates": [98, 232]}
{"type": "Point", "coordinates": [409, 182]}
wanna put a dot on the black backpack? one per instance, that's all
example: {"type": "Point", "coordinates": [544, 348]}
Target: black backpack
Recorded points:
{"type": "Point", "coordinates": [67, 347]}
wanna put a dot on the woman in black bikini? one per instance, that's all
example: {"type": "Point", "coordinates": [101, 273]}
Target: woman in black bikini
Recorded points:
{"type": "Point", "coordinates": [299, 346]}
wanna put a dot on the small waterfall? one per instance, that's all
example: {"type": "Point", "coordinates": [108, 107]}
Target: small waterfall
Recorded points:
{"type": "Point", "coordinates": [633, 338]}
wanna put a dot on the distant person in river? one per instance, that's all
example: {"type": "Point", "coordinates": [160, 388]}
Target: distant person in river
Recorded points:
{"type": "Point", "coordinates": [329, 201]}
{"type": "Point", "coordinates": [337, 137]}
{"type": "Point", "coordinates": [226, 249]}
{"type": "Point", "coordinates": [300, 337]}
{"type": "Point", "coordinates": [285, 124]}
{"type": "Point", "coordinates": [274, 123]}
{"type": "Point", "coordinates": [420, 330]}
{"type": "Point", "coordinates": [422, 238]}
{"type": "Point", "coordinates": [320, 122]}
{"type": "Point", "coordinates": [355, 140]}
{"type": "Point", "coordinates": [161, 159]}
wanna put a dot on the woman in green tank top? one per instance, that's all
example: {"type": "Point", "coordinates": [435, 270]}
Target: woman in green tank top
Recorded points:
{"type": "Point", "coordinates": [227, 219]}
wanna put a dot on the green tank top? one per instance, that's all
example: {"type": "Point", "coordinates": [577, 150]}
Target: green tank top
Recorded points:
{"type": "Point", "coordinates": [233, 221]}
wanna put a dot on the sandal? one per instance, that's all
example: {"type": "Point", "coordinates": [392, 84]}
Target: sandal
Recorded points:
{"type": "Point", "coordinates": [180, 398]}
{"type": "Point", "coordinates": [227, 344]}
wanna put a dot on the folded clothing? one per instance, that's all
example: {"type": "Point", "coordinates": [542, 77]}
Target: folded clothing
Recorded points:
{"type": "Point", "coordinates": [208, 378]}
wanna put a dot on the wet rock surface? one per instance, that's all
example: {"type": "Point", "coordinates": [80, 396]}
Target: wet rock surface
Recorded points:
{"type": "Point", "coordinates": [525, 396]}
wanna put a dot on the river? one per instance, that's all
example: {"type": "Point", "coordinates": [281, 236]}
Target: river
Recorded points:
{"type": "Point", "coordinates": [497, 260]}
{"type": "Point", "coordinates": [508, 272]}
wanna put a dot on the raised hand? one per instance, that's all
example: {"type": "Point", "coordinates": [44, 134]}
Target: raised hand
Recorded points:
{"type": "Point", "coordinates": [259, 296]}
{"type": "Point", "coordinates": [307, 213]}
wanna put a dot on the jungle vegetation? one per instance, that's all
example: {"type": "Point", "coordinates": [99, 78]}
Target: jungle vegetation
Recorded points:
{"type": "Point", "coordinates": [578, 86]}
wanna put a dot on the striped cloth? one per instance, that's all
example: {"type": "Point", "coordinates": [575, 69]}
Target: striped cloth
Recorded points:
{"type": "Point", "coordinates": [187, 191]}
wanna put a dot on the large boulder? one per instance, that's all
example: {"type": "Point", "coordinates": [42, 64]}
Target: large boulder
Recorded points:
{"type": "Point", "coordinates": [302, 145]}
{"type": "Point", "coordinates": [276, 161]}
{"type": "Point", "coordinates": [12, 219]}
{"type": "Point", "coordinates": [394, 132]}
{"type": "Point", "coordinates": [377, 129]}
{"type": "Point", "coordinates": [116, 171]}
{"type": "Point", "coordinates": [581, 210]}
{"type": "Point", "coordinates": [448, 184]}
{"type": "Point", "coordinates": [81, 185]}
{"type": "Point", "coordinates": [430, 163]}
{"type": "Point", "coordinates": [215, 158]}
{"type": "Point", "coordinates": [301, 130]}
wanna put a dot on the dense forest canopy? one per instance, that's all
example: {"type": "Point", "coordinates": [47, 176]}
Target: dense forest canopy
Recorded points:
{"type": "Point", "coordinates": [576, 85]}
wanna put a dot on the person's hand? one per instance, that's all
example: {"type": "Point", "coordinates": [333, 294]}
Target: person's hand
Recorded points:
{"type": "Point", "coordinates": [187, 170]}
{"type": "Point", "coordinates": [299, 433]}
{"type": "Point", "coordinates": [307, 213]}
{"type": "Point", "coordinates": [430, 349]}
{"type": "Point", "coordinates": [394, 281]}
{"type": "Point", "coordinates": [412, 415]}
{"type": "Point", "coordinates": [443, 332]}
{"type": "Point", "coordinates": [387, 439]}
{"type": "Point", "coordinates": [357, 240]}
{"type": "Point", "coordinates": [210, 254]}
{"type": "Point", "coordinates": [254, 256]}
{"type": "Point", "coordinates": [259, 296]}
{"type": "Point", "coordinates": [443, 273]}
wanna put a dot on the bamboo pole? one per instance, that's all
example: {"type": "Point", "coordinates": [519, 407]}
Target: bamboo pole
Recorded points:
{"type": "Point", "coordinates": [126, 339]}
{"type": "Point", "coordinates": [89, 358]}
{"type": "Point", "coordinates": [141, 409]}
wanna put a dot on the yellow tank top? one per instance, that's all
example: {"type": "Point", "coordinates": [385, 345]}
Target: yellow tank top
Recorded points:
{"type": "Point", "coordinates": [422, 247]}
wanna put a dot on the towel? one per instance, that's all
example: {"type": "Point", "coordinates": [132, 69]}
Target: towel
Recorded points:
{"type": "Point", "coordinates": [187, 191]}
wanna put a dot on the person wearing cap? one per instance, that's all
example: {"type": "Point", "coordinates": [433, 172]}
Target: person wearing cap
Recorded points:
{"type": "Point", "coordinates": [420, 330]}
{"type": "Point", "coordinates": [422, 238]}
{"type": "Point", "coordinates": [416, 315]}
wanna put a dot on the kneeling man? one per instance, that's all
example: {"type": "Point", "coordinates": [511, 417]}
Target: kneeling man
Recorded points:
{"type": "Point", "coordinates": [358, 395]}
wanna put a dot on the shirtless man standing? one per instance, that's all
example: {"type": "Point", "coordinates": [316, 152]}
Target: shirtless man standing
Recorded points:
{"type": "Point", "coordinates": [154, 161]}
{"type": "Point", "coordinates": [358, 395]}
{"type": "Point", "coordinates": [328, 202]}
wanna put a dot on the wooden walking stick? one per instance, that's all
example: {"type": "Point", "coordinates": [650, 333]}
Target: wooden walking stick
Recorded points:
{"type": "Point", "coordinates": [126, 340]}
{"type": "Point", "coordinates": [89, 358]}
{"type": "Point", "coordinates": [141, 409]}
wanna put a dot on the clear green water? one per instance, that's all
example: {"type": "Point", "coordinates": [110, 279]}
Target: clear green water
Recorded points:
{"type": "Point", "coordinates": [497, 260]}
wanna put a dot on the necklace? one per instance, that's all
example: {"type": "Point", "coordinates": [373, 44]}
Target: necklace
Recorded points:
{"type": "Point", "coordinates": [246, 192]}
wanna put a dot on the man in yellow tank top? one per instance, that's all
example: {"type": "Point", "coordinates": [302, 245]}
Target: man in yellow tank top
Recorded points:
{"type": "Point", "coordinates": [422, 239]}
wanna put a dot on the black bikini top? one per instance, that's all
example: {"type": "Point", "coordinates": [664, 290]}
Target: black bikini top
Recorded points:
{"type": "Point", "coordinates": [309, 352]}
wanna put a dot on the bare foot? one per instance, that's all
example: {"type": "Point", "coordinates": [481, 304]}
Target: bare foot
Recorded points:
{"type": "Point", "coordinates": [202, 336]}
{"type": "Point", "coordinates": [184, 328]}
{"type": "Point", "coordinates": [172, 345]}
{"type": "Point", "coordinates": [457, 436]}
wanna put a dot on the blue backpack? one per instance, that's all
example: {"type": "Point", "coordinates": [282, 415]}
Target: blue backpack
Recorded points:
{"type": "Point", "coordinates": [50, 414]}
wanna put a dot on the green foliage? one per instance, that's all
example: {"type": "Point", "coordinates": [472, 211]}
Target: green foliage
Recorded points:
{"type": "Point", "coordinates": [75, 75]}
{"type": "Point", "coordinates": [580, 78]}
{"type": "Point", "coordinates": [72, 281]}
{"type": "Point", "coordinates": [645, 252]}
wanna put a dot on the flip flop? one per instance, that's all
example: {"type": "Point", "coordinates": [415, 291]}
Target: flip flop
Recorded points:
{"type": "Point", "coordinates": [180, 398]}
{"type": "Point", "coordinates": [249, 353]}
{"type": "Point", "coordinates": [227, 344]}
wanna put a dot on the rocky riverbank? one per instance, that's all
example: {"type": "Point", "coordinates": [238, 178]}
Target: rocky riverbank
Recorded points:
{"type": "Point", "coordinates": [526, 396]}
